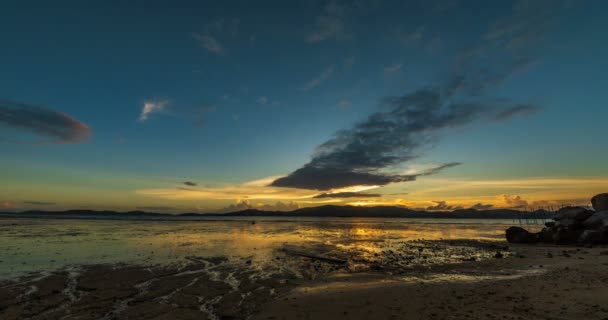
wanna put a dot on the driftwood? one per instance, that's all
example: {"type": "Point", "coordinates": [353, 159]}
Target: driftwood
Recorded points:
{"type": "Point", "coordinates": [299, 253]}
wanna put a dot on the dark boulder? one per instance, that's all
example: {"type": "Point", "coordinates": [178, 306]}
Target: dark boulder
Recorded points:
{"type": "Point", "coordinates": [597, 220]}
{"type": "Point", "coordinates": [568, 223]}
{"type": "Point", "coordinates": [546, 235]}
{"type": "Point", "coordinates": [600, 202]}
{"type": "Point", "coordinates": [593, 237]}
{"type": "Point", "coordinates": [573, 213]}
{"type": "Point", "coordinates": [563, 235]}
{"type": "Point", "coordinates": [550, 224]}
{"type": "Point", "coordinates": [521, 235]}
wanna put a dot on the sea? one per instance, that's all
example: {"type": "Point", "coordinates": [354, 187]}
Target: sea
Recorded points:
{"type": "Point", "coordinates": [35, 245]}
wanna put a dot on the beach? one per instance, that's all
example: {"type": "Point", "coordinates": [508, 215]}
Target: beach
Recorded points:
{"type": "Point", "coordinates": [345, 269]}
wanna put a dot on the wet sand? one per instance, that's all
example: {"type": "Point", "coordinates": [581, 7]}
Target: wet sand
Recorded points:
{"type": "Point", "coordinates": [544, 283]}
{"type": "Point", "coordinates": [239, 270]}
{"type": "Point", "coordinates": [528, 283]}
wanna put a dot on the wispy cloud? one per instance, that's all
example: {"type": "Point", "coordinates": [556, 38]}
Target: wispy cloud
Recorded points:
{"type": "Point", "coordinates": [393, 69]}
{"type": "Point", "coordinates": [39, 203]}
{"type": "Point", "coordinates": [330, 24]}
{"type": "Point", "coordinates": [263, 100]}
{"type": "Point", "coordinates": [319, 79]}
{"type": "Point", "coordinates": [210, 43]}
{"type": "Point", "coordinates": [347, 195]}
{"type": "Point", "coordinates": [190, 183]}
{"type": "Point", "coordinates": [257, 189]}
{"type": "Point", "coordinates": [345, 104]}
{"type": "Point", "coordinates": [410, 37]}
{"type": "Point", "coordinates": [150, 107]}
{"type": "Point", "coordinates": [442, 206]}
{"type": "Point", "coordinates": [42, 121]}
{"type": "Point", "coordinates": [212, 31]}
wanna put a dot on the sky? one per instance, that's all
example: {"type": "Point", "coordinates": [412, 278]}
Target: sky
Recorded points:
{"type": "Point", "coordinates": [216, 106]}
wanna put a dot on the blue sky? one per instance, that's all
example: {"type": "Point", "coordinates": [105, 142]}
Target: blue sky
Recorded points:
{"type": "Point", "coordinates": [246, 91]}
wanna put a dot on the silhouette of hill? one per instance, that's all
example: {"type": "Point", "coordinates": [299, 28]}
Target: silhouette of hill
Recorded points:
{"type": "Point", "coordinates": [322, 211]}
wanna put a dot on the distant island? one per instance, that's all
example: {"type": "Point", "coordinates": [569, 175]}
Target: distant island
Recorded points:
{"type": "Point", "coordinates": [321, 211]}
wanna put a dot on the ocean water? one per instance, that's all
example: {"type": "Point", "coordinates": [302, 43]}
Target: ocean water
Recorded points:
{"type": "Point", "coordinates": [43, 245]}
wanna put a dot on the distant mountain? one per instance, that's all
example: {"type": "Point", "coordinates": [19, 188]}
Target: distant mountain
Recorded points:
{"type": "Point", "coordinates": [322, 211]}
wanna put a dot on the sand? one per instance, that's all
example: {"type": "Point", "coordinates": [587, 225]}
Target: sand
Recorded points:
{"type": "Point", "coordinates": [538, 282]}
{"type": "Point", "coordinates": [443, 280]}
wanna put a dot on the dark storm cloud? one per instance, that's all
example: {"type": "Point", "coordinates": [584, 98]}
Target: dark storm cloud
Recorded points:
{"type": "Point", "coordinates": [190, 183]}
{"type": "Point", "coordinates": [347, 195]}
{"type": "Point", "coordinates": [42, 121]}
{"type": "Point", "coordinates": [39, 203]}
{"type": "Point", "coordinates": [366, 153]}
{"type": "Point", "coordinates": [357, 156]}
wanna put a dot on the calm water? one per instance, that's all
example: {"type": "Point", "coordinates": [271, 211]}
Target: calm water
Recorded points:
{"type": "Point", "coordinates": [34, 245]}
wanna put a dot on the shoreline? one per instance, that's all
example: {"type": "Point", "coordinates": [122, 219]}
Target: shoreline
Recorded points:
{"type": "Point", "coordinates": [512, 287]}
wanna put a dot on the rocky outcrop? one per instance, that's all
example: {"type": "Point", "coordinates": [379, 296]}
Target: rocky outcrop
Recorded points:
{"type": "Point", "coordinates": [521, 235]}
{"type": "Point", "coordinates": [572, 225]}
{"type": "Point", "coordinates": [600, 202]}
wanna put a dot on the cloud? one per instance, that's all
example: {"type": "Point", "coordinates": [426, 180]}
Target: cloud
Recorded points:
{"type": "Point", "coordinates": [480, 206]}
{"type": "Point", "coordinates": [393, 69]}
{"type": "Point", "coordinates": [152, 106]}
{"type": "Point", "coordinates": [514, 202]}
{"type": "Point", "coordinates": [210, 43]}
{"type": "Point", "coordinates": [257, 189]}
{"type": "Point", "coordinates": [516, 110]}
{"type": "Point", "coordinates": [369, 152]}
{"type": "Point", "coordinates": [410, 37]}
{"type": "Point", "coordinates": [213, 31]}
{"type": "Point", "coordinates": [345, 104]}
{"type": "Point", "coordinates": [443, 206]}
{"type": "Point", "coordinates": [359, 155]}
{"type": "Point", "coordinates": [39, 203]}
{"type": "Point", "coordinates": [190, 183]}
{"type": "Point", "coordinates": [347, 195]}
{"type": "Point", "coordinates": [55, 125]}
{"type": "Point", "coordinates": [8, 205]}
{"type": "Point", "coordinates": [246, 204]}
{"type": "Point", "coordinates": [319, 79]}
{"type": "Point", "coordinates": [263, 100]}
{"type": "Point", "coordinates": [330, 24]}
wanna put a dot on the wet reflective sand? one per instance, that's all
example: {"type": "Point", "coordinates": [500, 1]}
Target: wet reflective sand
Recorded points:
{"type": "Point", "coordinates": [43, 245]}
{"type": "Point", "coordinates": [98, 269]}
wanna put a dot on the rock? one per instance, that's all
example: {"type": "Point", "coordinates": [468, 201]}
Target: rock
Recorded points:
{"type": "Point", "coordinates": [593, 237]}
{"type": "Point", "coordinates": [573, 213]}
{"type": "Point", "coordinates": [521, 235]}
{"type": "Point", "coordinates": [550, 224]}
{"type": "Point", "coordinates": [600, 202]}
{"type": "Point", "coordinates": [546, 235]}
{"type": "Point", "coordinates": [568, 223]}
{"type": "Point", "coordinates": [564, 235]}
{"type": "Point", "coordinates": [597, 220]}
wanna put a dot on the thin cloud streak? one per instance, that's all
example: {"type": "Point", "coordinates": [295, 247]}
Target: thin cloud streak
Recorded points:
{"type": "Point", "coordinates": [319, 79]}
